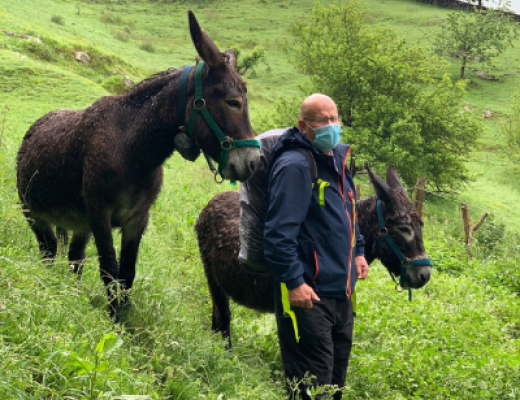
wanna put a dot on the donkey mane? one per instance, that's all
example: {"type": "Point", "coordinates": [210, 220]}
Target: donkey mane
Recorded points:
{"type": "Point", "coordinates": [151, 86]}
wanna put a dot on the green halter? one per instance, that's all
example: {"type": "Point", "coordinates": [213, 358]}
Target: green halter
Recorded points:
{"type": "Point", "coordinates": [405, 262]}
{"type": "Point", "coordinates": [199, 106]}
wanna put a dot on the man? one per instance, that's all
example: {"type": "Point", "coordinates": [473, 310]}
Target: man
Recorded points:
{"type": "Point", "coordinates": [313, 245]}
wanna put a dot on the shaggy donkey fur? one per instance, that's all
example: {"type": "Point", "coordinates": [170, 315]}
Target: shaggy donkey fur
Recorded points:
{"type": "Point", "coordinates": [92, 170]}
{"type": "Point", "coordinates": [219, 244]}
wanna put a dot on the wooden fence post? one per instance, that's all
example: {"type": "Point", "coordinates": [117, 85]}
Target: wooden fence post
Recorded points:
{"type": "Point", "coordinates": [467, 228]}
{"type": "Point", "coordinates": [418, 194]}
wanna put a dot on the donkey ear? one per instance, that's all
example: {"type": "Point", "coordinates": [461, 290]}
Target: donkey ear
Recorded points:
{"type": "Point", "coordinates": [230, 58]}
{"type": "Point", "coordinates": [392, 177]}
{"type": "Point", "coordinates": [382, 189]}
{"type": "Point", "coordinates": [207, 50]}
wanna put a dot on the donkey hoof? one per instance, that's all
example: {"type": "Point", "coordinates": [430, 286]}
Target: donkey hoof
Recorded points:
{"type": "Point", "coordinates": [126, 303]}
{"type": "Point", "coordinates": [115, 314]}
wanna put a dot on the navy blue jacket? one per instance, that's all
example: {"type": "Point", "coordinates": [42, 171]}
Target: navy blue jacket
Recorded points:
{"type": "Point", "coordinates": [303, 240]}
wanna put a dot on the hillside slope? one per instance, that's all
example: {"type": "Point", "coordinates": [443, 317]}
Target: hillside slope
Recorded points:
{"type": "Point", "coordinates": [458, 339]}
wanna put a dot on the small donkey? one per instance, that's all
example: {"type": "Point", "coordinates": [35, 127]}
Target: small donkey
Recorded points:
{"type": "Point", "coordinates": [219, 244]}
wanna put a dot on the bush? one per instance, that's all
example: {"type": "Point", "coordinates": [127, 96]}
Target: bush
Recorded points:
{"type": "Point", "coordinates": [147, 46]}
{"type": "Point", "coordinates": [248, 61]}
{"type": "Point", "coordinates": [58, 19]}
{"type": "Point", "coordinates": [109, 18]}
{"type": "Point", "coordinates": [490, 236]}
{"type": "Point", "coordinates": [122, 36]}
{"type": "Point", "coordinates": [43, 51]}
{"type": "Point", "coordinates": [115, 84]}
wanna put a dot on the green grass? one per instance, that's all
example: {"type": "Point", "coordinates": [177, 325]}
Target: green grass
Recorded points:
{"type": "Point", "coordinates": [458, 339]}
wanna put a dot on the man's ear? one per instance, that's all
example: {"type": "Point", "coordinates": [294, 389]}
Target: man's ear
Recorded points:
{"type": "Point", "coordinates": [302, 126]}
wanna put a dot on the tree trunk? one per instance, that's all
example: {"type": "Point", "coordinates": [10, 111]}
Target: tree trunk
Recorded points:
{"type": "Point", "coordinates": [464, 58]}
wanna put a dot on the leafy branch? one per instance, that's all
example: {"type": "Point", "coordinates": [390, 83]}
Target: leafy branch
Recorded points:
{"type": "Point", "coordinates": [92, 368]}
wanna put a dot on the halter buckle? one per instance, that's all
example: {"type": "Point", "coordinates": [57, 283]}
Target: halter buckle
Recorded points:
{"type": "Point", "coordinates": [406, 261]}
{"type": "Point", "coordinates": [196, 103]}
{"type": "Point", "coordinates": [384, 231]}
{"type": "Point", "coordinates": [227, 143]}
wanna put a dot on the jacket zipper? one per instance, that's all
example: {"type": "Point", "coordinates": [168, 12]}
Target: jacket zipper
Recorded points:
{"type": "Point", "coordinates": [352, 225]}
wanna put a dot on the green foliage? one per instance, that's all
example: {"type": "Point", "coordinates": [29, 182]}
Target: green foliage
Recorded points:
{"type": "Point", "coordinates": [394, 110]}
{"type": "Point", "coordinates": [490, 237]}
{"type": "Point", "coordinates": [248, 61]}
{"type": "Point", "coordinates": [480, 35]}
{"type": "Point", "coordinates": [115, 84]}
{"type": "Point", "coordinates": [58, 19]}
{"type": "Point", "coordinates": [510, 128]}
{"type": "Point", "coordinates": [147, 46]}
{"type": "Point", "coordinates": [43, 51]}
{"type": "Point", "coordinates": [123, 36]}
{"type": "Point", "coordinates": [97, 369]}
{"type": "Point", "coordinates": [284, 113]}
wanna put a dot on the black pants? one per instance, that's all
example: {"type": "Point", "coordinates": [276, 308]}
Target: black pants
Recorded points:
{"type": "Point", "coordinates": [323, 351]}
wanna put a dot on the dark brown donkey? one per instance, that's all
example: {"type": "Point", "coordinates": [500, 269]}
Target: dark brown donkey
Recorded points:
{"type": "Point", "coordinates": [95, 169]}
{"type": "Point", "coordinates": [219, 243]}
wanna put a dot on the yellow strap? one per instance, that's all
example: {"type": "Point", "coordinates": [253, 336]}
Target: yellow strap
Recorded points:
{"type": "Point", "coordinates": [323, 185]}
{"type": "Point", "coordinates": [354, 302]}
{"type": "Point", "coordinates": [287, 312]}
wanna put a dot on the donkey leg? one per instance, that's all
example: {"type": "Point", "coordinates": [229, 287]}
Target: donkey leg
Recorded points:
{"type": "Point", "coordinates": [108, 267]}
{"type": "Point", "coordinates": [77, 255]}
{"type": "Point", "coordinates": [45, 236]}
{"type": "Point", "coordinates": [130, 240]}
{"type": "Point", "coordinates": [221, 314]}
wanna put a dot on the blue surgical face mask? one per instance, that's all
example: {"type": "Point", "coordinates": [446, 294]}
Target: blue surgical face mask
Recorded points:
{"type": "Point", "coordinates": [327, 136]}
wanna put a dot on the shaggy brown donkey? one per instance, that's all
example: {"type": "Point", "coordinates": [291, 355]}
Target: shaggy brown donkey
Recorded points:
{"type": "Point", "coordinates": [217, 233]}
{"type": "Point", "coordinates": [92, 170]}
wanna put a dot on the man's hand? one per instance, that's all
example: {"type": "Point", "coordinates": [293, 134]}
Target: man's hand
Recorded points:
{"type": "Point", "coordinates": [361, 267]}
{"type": "Point", "coordinates": [302, 296]}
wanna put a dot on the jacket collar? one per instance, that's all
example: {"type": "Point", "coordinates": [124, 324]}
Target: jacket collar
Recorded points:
{"type": "Point", "coordinates": [294, 138]}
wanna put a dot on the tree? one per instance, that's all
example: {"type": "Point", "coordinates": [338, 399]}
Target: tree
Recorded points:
{"type": "Point", "coordinates": [394, 109]}
{"type": "Point", "coordinates": [248, 61]}
{"type": "Point", "coordinates": [479, 35]}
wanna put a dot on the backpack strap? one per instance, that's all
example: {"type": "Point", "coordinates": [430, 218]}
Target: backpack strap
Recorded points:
{"type": "Point", "coordinates": [312, 163]}
{"type": "Point", "coordinates": [321, 185]}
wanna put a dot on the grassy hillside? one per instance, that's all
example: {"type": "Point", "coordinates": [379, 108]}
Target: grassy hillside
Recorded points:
{"type": "Point", "coordinates": [121, 31]}
{"type": "Point", "coordinates": [458, 339]}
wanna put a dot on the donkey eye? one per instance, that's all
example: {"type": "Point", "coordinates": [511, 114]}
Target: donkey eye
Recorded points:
{"type": "Point", "coordinates": [234, 103]}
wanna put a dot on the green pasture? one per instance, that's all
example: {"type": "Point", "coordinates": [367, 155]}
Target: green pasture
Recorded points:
{"type": "Point", "coordinates": [458, 339]}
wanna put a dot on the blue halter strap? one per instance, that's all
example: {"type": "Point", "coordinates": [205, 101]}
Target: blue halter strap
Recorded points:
{"type": "Point", "coordinates": [405, 262]}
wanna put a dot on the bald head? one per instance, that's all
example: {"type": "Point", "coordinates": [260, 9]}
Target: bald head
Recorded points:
{"type": "Point", "coordinates": [315, 104]}
{"type": "Point", "coordinates": [316, 110]}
